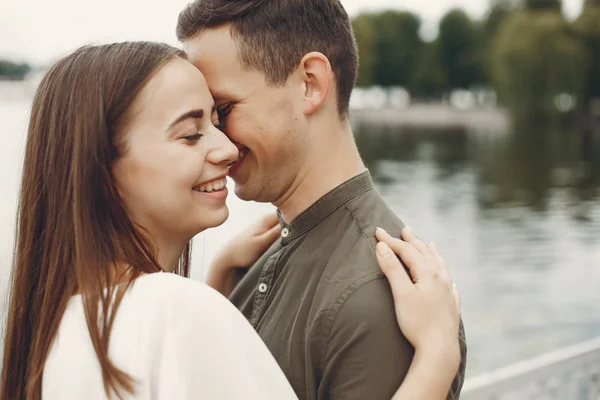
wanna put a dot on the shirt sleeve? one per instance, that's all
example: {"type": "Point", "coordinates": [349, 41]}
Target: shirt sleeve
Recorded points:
{"type": "Point", "coordinates": [210, 351]}
{"type": "Point", "coordinates": [367, 356]}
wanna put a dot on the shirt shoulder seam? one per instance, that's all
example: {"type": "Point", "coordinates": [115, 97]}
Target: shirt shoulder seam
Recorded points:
{"type": "Point", "coordinates": [360, 228]}
{"type": "Point", "coordinates": [343, 204]}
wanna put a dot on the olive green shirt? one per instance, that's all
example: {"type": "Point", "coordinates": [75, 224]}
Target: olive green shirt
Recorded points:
{"type": "Point", "coordinates": [319, 301]}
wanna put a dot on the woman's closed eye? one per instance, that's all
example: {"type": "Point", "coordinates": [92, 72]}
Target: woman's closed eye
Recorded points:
{"type": "Point", "coordinates": [193, 136]}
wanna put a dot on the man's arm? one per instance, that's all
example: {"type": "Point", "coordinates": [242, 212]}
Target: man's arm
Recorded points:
{"type": "Point", "coordinates": [366, 357]}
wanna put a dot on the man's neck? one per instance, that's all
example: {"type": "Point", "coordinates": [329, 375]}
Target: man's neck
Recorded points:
{"type": "Point", "coordinates": [334, 163]}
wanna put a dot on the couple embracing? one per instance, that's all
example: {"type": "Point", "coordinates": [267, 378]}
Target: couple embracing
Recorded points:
{"type": "Point", "coordinates": [128, 150]}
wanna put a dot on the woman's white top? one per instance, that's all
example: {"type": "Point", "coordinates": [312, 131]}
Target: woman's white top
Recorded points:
{"type": "Point", "coordinates": [178, 338]}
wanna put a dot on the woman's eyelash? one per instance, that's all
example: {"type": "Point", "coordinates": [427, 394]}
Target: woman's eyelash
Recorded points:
{"type": "Point", "coordinates": [193, 138]}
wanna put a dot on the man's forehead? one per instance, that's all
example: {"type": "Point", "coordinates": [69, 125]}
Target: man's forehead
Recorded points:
{"type": "Point", "coordinates": [218, 60]}
{"type": "Point", "coordinates": [211, 42]}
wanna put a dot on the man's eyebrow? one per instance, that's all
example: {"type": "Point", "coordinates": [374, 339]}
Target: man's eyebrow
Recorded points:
{"type": "Point", "coordinates": [197, 114]}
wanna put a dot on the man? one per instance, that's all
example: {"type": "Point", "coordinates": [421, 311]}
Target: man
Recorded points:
{"type": "Point", "coordinates": [282, 72]}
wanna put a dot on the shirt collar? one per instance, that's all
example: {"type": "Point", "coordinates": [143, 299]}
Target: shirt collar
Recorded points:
{"type": "Point", "coordinates": [324, 207]}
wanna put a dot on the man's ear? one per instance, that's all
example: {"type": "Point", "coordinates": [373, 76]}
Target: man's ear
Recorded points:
{"type": "Point", "coordinates": [317, 75]}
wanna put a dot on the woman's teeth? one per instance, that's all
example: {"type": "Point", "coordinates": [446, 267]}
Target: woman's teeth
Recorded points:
{"type": "Point", "coordinates": [212, 186]}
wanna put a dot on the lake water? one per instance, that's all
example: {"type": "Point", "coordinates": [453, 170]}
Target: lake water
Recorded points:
{"type": "Point", "coordinates": [515, 214]}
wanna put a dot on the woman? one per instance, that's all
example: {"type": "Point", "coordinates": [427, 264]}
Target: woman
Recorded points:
{"type": "Point", "coordinates": [123, 166]}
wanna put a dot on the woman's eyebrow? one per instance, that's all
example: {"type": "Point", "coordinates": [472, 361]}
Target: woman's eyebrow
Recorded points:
{"type": "Point", "coordinates": [196, 114]}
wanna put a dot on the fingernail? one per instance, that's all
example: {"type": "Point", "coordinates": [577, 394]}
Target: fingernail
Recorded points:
{"type": "Point", "coordinates": [407, 228]}
{"type": "Point", "coordinates": [383, 249]}
{"type": "Point", "coordinates": [433, 245]}
{"type": "Point", "coordinates": [381, 230]}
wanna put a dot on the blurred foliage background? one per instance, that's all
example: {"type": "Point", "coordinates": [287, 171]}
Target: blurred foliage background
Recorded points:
{"type": "Point", "coordinates": [526, 52]}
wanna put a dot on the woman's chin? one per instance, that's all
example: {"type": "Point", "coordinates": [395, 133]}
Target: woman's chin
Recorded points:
{"type": "Point", "coordinates": [214, 218]}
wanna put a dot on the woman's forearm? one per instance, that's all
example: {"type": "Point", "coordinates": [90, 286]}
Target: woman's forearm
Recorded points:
{"type": "Point", "coordinates": [430, 375]}
{"type": "Point", "coordinates": [221, 277]}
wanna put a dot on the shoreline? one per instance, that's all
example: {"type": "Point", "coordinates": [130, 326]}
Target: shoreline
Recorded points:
{"type": "Point", "coordinates": [419, 115]}
{"type": "Point", "coordinates": [434, 115]}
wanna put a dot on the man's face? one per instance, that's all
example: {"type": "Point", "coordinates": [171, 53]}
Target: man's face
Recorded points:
{"type": "Point", "coordinates": [266, 123]}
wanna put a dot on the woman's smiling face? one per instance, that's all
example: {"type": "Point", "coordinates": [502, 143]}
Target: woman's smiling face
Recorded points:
{"type": "Point", "coordinates": [172, 172]}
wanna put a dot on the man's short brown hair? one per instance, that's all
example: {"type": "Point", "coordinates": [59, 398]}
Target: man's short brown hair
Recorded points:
{"type": "Point", "coordinates": [274, 35]}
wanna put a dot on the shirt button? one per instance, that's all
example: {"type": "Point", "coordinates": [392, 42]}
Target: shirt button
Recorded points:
{"type": "Point", "coordinates": [262, 287]}
{"type": "Point", "coordinates": [285, 232]}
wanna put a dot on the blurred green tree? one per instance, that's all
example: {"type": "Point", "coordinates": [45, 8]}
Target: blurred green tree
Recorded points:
{"type": "Point", "coordinates": [429, 79]}
{"type": "Point", "coordinates": [365, 40]}
{"type": "Point", "coordinates": [458, 49]}
{"type": "Point", "coordinates": [535, 58]}
{"type": "Point", "coordinates": [494, 18]}
{"type": "Point", "coordinates": [499, 12]}
{"type": "Point", "coordinates": [543, 5]}
{"type": "Point", "coordinates": [12, 70]}
{"type": "Point", "coordinates": [397, 46]}
{"type": "Point", "coordinates": [389, 46]}
{"type": "Point", "coordinates": [588, 27]}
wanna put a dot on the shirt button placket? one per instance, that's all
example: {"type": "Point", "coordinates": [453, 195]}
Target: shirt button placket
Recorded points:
{"type": "Point", "coordinates": [266, 277]}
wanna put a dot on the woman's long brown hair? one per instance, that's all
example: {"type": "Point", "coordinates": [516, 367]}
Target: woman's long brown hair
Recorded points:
{"type": "Point", "coordinates": [72, 229]}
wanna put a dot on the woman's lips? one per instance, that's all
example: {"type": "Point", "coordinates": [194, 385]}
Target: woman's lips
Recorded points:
{"type": "Point", "coordinates": [215, 189]}
{"type": "Point", "coordinates": [216, 194]}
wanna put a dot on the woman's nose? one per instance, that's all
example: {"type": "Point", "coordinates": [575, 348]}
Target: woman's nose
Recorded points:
{"type": "Point", "coordinates": [222, 151]}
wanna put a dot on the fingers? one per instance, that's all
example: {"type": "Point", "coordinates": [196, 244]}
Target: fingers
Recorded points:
{"type": "Point", "coordinates": [408, 236]}
{"type": "Point", "coordinates": [406, 251]}
{"type": "Point", "coordinates": [440, 264]}
{"type": "Point", "coordinates": [267, 222]}
{"type": "Point", "coordinates": [393, 270]}
{"type": "Point", "coordinates": [272, 234]}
